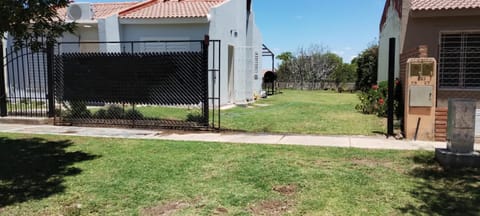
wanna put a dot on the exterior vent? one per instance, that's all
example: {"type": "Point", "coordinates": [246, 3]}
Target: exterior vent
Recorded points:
{"type": "Point", "coordinates": [80, 11]}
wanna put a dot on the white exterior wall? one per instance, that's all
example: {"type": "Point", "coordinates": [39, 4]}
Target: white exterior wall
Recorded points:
{"type": "Point", "coordinates": [164, 32]}
{"type": "Point", "coordinates": [257, 44]}
{"type": "Point", "coordinates": [228, 23]}
{"type": "Point", "coordinates": [143, 32]}
{"type": "Point", "coordinates": [109, 29]}
{"type": "Point", "coordinates": [391, 28]}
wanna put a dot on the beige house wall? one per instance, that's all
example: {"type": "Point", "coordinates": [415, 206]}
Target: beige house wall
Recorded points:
{"type": "Point", "coordinates": [421, 29]}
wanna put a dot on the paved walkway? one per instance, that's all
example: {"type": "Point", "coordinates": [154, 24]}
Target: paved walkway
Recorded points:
{"type": "Point", "coordinates": [365, 142]}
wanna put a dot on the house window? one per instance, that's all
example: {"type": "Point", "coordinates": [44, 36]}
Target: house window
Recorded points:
{"type": "Point", "coordinates": [459, 62]}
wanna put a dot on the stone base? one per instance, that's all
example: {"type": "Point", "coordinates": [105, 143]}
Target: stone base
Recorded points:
{"type": "Point", "coordinates": [450, 159]}
{"type": "Point", "coordinates": [26, 120]}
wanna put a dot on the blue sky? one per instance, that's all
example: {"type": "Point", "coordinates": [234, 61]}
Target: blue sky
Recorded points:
{"type": "Point", "coordinates": [345, 27]}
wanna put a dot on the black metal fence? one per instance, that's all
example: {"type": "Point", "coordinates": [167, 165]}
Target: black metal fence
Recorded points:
{"type": "Point", "coordinates": [170, 84]}
{"type": "Point", "coordinates": [24, 85]}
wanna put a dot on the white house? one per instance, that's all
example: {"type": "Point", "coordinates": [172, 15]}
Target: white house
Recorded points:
{"type": "Point", "coordinates": [230, 21]}
{"type": "Point", "coordinates": [389, 28]}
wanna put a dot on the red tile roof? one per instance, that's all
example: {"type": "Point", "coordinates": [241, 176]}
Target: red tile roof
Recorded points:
{"type": "Point", "coordinates": [102, 10]}
{"type": "Point", "coordinates": [444, 4]}
{"type": "Point", "coordinates": [170, 9]}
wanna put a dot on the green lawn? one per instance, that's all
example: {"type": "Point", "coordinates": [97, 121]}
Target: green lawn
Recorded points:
{"type": "Point", "coordinates": [53, 175]}
{"type": "Point", "coordinates": [304, 112]}
{"type": "Point", "coordinates": [295, 112]}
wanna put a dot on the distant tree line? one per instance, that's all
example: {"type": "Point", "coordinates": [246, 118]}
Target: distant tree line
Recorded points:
{"type": "Point", "coordinates": [316, 66]}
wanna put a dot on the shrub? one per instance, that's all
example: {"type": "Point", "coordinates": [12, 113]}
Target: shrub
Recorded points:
{"type": "Point", "coordinates": [115, 112]}
{"type": "Point", "coordinates": [195, 117]}
{"type": "Point", "coordinates": [77, 109]}
{"type": "Point", "coordinates": [133, 114]}
{"type": "Point", "coordinates": [100, 114]}
{"type": "Point", "coordinates": [374, 101]}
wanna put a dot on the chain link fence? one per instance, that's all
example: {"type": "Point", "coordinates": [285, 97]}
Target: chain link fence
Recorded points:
{"type": "Point", "coordinates": [137, 84]}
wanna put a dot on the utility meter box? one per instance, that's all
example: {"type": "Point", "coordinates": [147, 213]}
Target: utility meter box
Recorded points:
{"type": "Point", "coordinates": [461, 125]}
{"type": "Point", "coordinates": [420, 99]}
{"type": "Point", "coordinates": [421, 96]}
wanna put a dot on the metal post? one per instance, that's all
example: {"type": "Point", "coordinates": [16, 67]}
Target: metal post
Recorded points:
{"type": "Point", "coordinates": [206, 43]}
{"type": "Point", "coordinates": [219, 70]}
{"type": "Point", "coordinates": [273, 70]}
{"type": "Point", "coordinates": [391, 87]}
{"type": "Point", "coordinates": [50, 97]}
{"type": "Point", "coordinates": [3, 95]}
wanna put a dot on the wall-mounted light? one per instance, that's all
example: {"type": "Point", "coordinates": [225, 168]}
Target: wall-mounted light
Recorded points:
{"type": "Point", "coordinates": [87, 26]}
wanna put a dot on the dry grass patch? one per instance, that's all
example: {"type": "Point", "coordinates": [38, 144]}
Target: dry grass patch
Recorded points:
{"type": "Point", "coordinates": [166, 209]}
{"type": "Point", "coordinates": [272, 208]}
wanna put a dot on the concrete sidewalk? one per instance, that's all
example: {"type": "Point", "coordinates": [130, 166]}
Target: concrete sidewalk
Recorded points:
{"type": "Point", "coordinates": [364, 142]}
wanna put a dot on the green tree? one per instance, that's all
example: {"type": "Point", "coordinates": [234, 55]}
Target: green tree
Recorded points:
{"type": "Point", "coordinates": [367, 64]}
{"type": "Point", "coordinates": [313, 65]}
{"type": "Point", "coordinates": [345, 73]}
{"type": "Point", "coordinates": [284, 71]}
{"type": "Point", "coordinates": [30, 20]}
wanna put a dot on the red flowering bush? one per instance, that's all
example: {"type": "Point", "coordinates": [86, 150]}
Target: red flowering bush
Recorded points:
{"type": "Point", "coordinates": [374, 100]}
{"type": "Point", "coordinates": [381, 101]}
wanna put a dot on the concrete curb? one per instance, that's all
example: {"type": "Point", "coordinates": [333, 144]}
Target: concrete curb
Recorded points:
{"type": "Point", "coordinates": [363, 142]}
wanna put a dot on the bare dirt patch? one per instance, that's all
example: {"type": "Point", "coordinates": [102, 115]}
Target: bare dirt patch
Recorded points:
{"type": "Point", "coordinates": [169, 208]}
{"type": "Point", "coordinates": [286, 190]}
{"type": "Point", "coordinates": [221, 211]}
{"type": "Point", "coordinates": [271, 208]}
{"type": "Point", "coordinates": [367, 162]}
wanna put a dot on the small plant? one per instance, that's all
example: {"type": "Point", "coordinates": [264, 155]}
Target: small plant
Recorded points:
{"type": "Point", "coordinates": [100, 114]}
{"type": "Point", "coordinates": [115, 112]}
{"type": "Point", "coordinates": [195, 117]}
{"type": "Point", "coordinates": [133, 114]}
{"type": "Point", "coordinates": [77, 109]}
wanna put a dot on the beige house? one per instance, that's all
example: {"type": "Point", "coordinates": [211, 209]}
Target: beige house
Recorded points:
{"type": "Point", "coordinates": [447, 30]}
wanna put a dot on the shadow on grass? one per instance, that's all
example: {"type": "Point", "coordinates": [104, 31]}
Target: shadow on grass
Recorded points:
{"type": "Point", "coordinates": [35, 168]}
{"type": "Point", "coordinates": [443, 192]}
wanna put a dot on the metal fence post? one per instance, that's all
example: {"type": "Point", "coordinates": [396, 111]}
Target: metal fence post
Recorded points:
{"type": "Point", "coordinates": [50, 97]}
{"type": "Point", "coordinates": [205, 45]}
{"type": "Point", "coordinates": [391, 86]}
{"type": "Point", "coordinates": [3, 95]}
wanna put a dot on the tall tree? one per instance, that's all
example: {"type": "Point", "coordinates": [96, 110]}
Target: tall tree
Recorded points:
{"type": "Point", "coordinates": [30, 20]}
{"type": "Point", "coordinates": [284, 70]}
{"type": "Point", "coordinates": [309, 67]}
{"type": "Point", "coordinates": [345, 73]}
{"type": "Point", "coordinates": [367, 64]}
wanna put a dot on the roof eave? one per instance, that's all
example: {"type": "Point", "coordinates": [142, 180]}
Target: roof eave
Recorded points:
{"type": "Point", "coordinates": [445, 13]}
{"type": "Point", "coordinates": [182, 20]}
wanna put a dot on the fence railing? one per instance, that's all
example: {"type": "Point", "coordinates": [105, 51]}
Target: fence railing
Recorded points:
{"type": "Point", "coordinates": [24, 84]}
{"type": "Point", "coordinates": [316, 86]}
{"type": "Point", "coordinates": [138, 84]}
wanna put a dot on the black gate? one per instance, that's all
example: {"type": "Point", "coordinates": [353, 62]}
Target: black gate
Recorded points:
{"type": "Point", "coordinates": [167, 84]}
{"type": "Point", "coordinates": [24, 83]}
